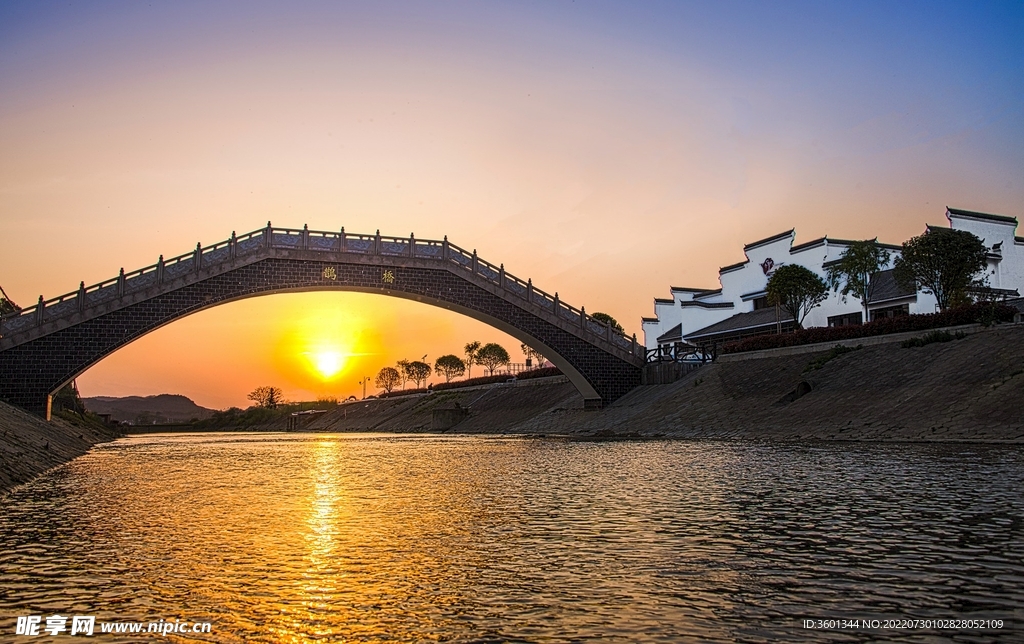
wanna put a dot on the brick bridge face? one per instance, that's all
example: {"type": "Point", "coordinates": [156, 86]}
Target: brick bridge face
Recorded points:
{"type": "Point", "coordinates": [48, 345]}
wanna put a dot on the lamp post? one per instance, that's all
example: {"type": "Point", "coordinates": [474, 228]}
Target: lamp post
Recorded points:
{"type": "Point", "coordinates": [363, 383]}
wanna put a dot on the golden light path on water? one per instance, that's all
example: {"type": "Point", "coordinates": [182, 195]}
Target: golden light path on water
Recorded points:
{"type": "Point", "coordinates": [367, 538]}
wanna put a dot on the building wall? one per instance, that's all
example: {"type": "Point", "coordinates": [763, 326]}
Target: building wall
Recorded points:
{"type": "Point", "coordinates": [742, 283]}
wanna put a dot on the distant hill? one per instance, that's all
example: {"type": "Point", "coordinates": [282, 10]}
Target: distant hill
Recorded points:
{"type": "Point", "coordinates": [147, 410]}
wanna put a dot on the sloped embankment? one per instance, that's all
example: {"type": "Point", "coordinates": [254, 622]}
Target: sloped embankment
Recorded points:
{"type": "Point", "coordinates": [29, 445]}
{"type": "Point", "coordinates": [970, 389]}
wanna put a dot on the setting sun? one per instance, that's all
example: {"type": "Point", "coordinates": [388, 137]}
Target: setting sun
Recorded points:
{"type": "Point", "coordinates": [328, 363]}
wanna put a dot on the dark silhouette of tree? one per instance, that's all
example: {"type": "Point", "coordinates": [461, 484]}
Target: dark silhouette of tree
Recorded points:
{"type": "Point", "coordinates": [418, 372]}
{"type": "Point", "coordinates": [267, 397]}
{"type": "Point", "coordinates": [532, 354]}
{"type": "Point", "coordinates": [6, 305]}
{"type": "Point", "coordinates": [607, 319]}
{"type": "Point", "coordinates": [450, 366]}
{"type": "Point", "coordinates": [492, 355]}
{"type": "Point", "coordinates": [855, 268]}
{"type": "Point", "coordinates": [470, 350]}
{"type": "Point", "coordinates": [387, 379]}
{"type": "Point", "coordinates": [796, 290]}
{"type": "Point", "coordinates": [943, 262]}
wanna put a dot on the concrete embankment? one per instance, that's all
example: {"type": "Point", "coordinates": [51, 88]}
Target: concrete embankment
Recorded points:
{"type": "Point", "coordinates": [971, 389]}
{"type": "Point", "coordinates": [29, 445]}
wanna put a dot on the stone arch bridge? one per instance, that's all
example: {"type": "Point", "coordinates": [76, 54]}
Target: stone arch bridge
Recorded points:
{"type": "Point", "coordinates": [45, 346]}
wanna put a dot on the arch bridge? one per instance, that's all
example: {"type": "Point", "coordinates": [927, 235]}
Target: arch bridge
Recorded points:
{"type": "Point", "coordinates": [45, 346]}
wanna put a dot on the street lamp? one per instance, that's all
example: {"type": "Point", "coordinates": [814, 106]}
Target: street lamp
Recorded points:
{"type": "Point", "coordinates": [363, 383]}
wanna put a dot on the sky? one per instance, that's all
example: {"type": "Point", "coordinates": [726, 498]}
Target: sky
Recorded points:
{"type": "Point", "coordinates": [607, 150]}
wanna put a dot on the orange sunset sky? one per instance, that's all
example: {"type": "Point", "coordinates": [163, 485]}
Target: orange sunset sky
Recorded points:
{"type": "Point", "coordinates": [605, 150]}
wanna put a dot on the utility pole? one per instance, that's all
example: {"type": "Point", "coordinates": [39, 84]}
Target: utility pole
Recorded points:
{"type": "Point", "coordinates": [363, 383]}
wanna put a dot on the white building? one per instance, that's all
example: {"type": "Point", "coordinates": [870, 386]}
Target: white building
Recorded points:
{"type": "Point", "coordinates": [739, 307]}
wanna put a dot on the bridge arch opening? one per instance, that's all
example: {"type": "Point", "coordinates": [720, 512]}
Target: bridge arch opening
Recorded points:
{"type": "Point", "coordinates": [45, 346]}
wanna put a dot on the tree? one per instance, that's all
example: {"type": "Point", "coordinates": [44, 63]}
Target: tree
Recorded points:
{"type": "Point", "coordinates": [943, 262]}
{"type": "Point", "coordinates": [471, 349]}
{"type": "Point", "coordinates": [532, 354]}
{"type": "Point", "coordinates": [604, 318]}
{"type": "Point", "coordinates": [403, 369]}
{"type": "Point", "coordinates": [418, 372]}
{"type": "Point", "coordinates": [797, 290]}
{"type": "Point", "coordinates": [6, 305]}
{"type": "Point", "coordinates": [855, 268]}
{"type": "Point", "coordinates": [267, 397]}
{"type": "Point", "coordinates": [492, 356]}
{"type": "Point", "coordinates": [387, 379]}
{"type": "Point", "coordinates": [450, 366]}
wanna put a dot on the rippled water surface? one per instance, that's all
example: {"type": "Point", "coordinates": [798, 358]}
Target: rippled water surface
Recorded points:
{"type": "Point", "coordinates": [357, 537]}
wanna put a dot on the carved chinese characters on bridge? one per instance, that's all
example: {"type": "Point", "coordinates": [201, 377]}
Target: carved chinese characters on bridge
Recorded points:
{"type": "Point", "coordinates": [330, 273]}
{"type": "Point", "coordinates": [388, 277]}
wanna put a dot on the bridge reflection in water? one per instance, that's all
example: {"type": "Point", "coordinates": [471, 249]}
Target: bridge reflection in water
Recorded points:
{"type": "Point", "coordinates": [45, 346]}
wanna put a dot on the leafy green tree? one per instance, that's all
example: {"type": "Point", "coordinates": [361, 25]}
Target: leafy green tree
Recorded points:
{"type": "Point", "coordinates": [796, 290]}
{"type": "Point", "coordinates": [853, 272]}
{"type": "Point", "coordinates": [607, 319]}
{"type": "Point", "coordinates": [450, 366]}
{"type": "Point", "coordinates": [492, 355]}
{"type": "Point", "coordinates": [267, 397]}
{"type": "Point", "coordinates": [943, 262]}
{"type": "Point", "coordinates": [470, 350]}
{"type": "Point", "coordinates": [418, 371]}
{"type": "Point", "coordinates": [532, 354]}
{"type": "Point", "coordinates": [403, 369]}
{"type": "Point", "coordinates": [387, 379]}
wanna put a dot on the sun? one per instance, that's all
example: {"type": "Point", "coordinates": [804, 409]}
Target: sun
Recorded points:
{"type": "Point", "coordinates": [328, 362]}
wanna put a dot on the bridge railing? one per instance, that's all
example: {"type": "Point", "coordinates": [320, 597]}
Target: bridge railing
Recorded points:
{"type": "Point", "coordinates": [304, 239]}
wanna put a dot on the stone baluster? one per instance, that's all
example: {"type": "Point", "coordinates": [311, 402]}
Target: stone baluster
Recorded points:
{"type": "Point", "coordinates": [268, 235]}
{"type": "Point", "coordinates": [583, 317]}
{"type": "Point", "coordinates": [160, 270]}
{"type": "Point", "coordinates": [529, 289]}
{"type": "Point", "coordinates": [376, 243]}
{"type": "Point", "coordinates": [608, 331]}
{"type": "Point", "coordinates": [120, 283]}
{"type": "Point", "coordinates": [305, 236]}
{"type": "Point", "coordinates": [555, 307]}
{"type": "Point", "coordinates": [342, 239]}
{"type": "Point", "coordinates": [39, 310]}
{"type": "Point", "coordinates": [445, 251]}
{"type": "Point", "coordinates": [232, 246]}
{"type": "Point", "coordinates": [412, 245]}
{"type": "Point", "coordinates": [81, 296]}
{"type": "Point", "coordinates": [198, 257]}
{"type": "Point", "coordinates": [501, 276]}
{"type": "Point", "coordinates": [476, 264]}
{"type": "Point", "coordinates": [634, 344]}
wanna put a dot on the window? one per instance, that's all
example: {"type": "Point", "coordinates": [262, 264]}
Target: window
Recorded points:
{"type": "Point", "coordinates": [760, 302]}
{"type": "Point", "coordinates": [846, 319]}
{"type": "Point", "coordinates": [890, 312]}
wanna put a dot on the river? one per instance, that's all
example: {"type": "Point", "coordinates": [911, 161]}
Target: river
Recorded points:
{"type": "Point", "coordinates": [363, 537]}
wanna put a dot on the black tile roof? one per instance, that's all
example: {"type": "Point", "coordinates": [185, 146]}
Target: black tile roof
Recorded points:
{"type": "Point", "coordinates": [741, 321]}
{"type": "Point", "coordinates": [981, 215]}
{"type": "Point", "coordinates": [663, 300]}
{"type": "Point", "coordinates": [708, 305]}
{"type": "Point", "coordinates": [884, 288]}
{"type": "Point", "coordinates": [768, 240]}
{"type": "Point", "coordinates": [673, 334]}
{"type": "Point", "coordinates": [811, 244]}
{"type": "Point", "coordinates": [732, 267]}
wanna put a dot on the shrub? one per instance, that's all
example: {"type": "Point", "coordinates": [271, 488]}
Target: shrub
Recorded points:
{"type": "Point", "coordinates": [920, 322]}
{"type": "Point", "coordinates": [933, 336]}
{"type": "Point", "coordinates": [834, 353]}
{"type": "Point", "coordinates": [542, 372]}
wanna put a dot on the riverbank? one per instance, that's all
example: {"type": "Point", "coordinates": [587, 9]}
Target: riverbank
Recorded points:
{"type": "Point", "coordinates": [964, 390]}
{"type": "Point", "coordinates": [30, 446]}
